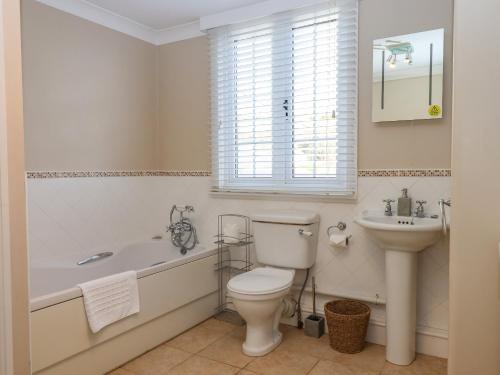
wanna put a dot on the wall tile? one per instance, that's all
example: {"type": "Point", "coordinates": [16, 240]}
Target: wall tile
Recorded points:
{"type": "Point", "coordinates": [87, 214]}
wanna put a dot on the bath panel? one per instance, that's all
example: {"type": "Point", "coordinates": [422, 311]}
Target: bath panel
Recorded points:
{"type": "Point", "coordinates": [60, 331]}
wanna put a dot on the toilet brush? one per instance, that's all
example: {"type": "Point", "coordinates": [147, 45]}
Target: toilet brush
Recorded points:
{"type": "Point", "coordinates": [314, 324]}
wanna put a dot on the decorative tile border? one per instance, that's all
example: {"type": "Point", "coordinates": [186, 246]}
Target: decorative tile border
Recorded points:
{"type": "Point", "coordinates": [404, 172]}
{"type": "Point", "coordinates": [76, 174]}
{"type": "Point", "coordinates": [361, 173]}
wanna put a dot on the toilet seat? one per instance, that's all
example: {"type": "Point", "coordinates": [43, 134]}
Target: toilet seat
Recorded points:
{"type": "Point", "coordinates": [262, 281]}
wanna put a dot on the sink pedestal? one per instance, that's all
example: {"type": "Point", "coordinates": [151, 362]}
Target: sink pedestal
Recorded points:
{"type": "Point", "coordinates": [401, 308]}
{"type": "Point", "coordinates": [402, 238]}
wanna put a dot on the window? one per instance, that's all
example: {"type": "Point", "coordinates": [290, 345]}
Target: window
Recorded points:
{"type": "Point", "coordinates": [284, 102]}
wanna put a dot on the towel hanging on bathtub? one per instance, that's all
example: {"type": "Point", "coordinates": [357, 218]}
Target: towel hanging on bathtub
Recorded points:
{"type": "Point", "coordinates": [110, 299]}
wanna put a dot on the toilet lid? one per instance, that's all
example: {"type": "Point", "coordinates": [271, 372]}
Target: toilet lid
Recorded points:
{"type": "Point", "coordinates": [261, 281]}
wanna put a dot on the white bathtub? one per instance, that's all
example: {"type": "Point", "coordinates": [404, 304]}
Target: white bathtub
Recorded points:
{"type": "Point", "coordinates": [56, 281]}
{"type": "Point", "coordinates": [176, 292]}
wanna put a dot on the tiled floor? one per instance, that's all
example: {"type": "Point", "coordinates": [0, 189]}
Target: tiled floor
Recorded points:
{"type": "Point", "coordinates": [214, 348]}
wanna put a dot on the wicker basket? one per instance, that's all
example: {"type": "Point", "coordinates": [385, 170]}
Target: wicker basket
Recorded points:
{"type": "Point", "coordinates": [347, 325]}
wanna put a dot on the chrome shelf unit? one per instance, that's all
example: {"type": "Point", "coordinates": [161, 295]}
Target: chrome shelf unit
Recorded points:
{"type": "Point", "coordinates": [227, 265]}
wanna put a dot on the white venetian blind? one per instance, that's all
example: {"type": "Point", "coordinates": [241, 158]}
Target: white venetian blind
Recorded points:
{"type": "Point", "coordinates": [284, 102]}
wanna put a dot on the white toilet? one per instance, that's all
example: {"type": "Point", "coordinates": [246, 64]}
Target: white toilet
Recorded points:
{"type": "Point", "coordinates": [284, 241]}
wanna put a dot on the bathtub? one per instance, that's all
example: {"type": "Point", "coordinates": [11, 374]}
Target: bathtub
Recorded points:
{"type": "Point", "coordinates": [176, 292]}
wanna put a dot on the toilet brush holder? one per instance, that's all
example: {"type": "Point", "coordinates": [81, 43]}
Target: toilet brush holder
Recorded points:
{"type": "Point", "coordinates": [314, 325]}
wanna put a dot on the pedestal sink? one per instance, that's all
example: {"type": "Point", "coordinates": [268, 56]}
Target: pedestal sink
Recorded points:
{"type": "Point", "coordinates": [402, 238]}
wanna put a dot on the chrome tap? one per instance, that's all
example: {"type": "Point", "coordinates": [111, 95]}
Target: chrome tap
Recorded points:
{"type": "Point", "coordinates": [183, 231]}
{"type": "Point", "coordinates": [388, 207]}
{"type": "Point", "coordinates": [443, 202]}
{"type": "Point", "coordinates": [419, 211]}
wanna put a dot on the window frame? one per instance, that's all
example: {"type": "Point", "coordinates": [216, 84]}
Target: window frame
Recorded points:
{"type": "Point", "coordinates": [282, 179]}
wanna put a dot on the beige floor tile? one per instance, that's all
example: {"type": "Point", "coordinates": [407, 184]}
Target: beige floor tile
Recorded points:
{"type": "Point", "coordinates": [372, 358]}
{"type": "Point", "coordinates": [334, 368]}
{"type": "Point", "coordinates": [197, 365]}
{"type": "Point", "coordinates": [199, 337]}
{"type": "Point", "coordinates": [228, 350]}
{"type": "Point", "coordinates": [157, 362]}
{"type": "Point", "coordinates": [296, 341]}
{"type": "Point", "coordinates": [120, 371]}
{"type": "Point", "coordinates": [423, 365]}
{"type": "Point", "coordinates": [239, 332]}
{"type": "Point", "coordinates": [283, 362]}
{"type": "Point", "coordinates": [218, 345]}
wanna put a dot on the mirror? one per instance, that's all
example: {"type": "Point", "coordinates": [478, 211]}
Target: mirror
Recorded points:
{"type": "Point", "coordinates": [408, 77]}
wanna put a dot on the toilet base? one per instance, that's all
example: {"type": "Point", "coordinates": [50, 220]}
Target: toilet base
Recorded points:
{"type": "Point", "coordinates": [262, 318]}
{"type": "Point", "coordinates": [278, 337]}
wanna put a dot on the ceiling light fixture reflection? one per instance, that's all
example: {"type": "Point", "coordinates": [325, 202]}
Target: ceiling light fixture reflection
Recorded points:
{"type": "Point", "coordinates": [403, 49]}
{"type": "Point", "coordinates": [392, 61]}
{"type": "Point", "coordinates": [408, 58]}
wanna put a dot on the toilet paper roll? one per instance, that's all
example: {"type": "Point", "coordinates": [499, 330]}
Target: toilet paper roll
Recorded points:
{"type": "Point", "coordinates": [338, 239]}
{"type": "Point", "coordinates": [231, 233]}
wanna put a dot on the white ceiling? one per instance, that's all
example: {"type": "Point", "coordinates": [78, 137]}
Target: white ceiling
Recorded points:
{"type": "Point", "coordinates": [163, 14]}
{"type": "Point", "coordinates": [165, 21]}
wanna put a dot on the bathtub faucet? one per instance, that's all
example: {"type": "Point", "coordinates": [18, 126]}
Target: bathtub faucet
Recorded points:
{"type": "Point", "coordinates": [182, 232]}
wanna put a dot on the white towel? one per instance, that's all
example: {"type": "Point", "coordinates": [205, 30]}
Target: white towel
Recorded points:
{"type": "Point", "coordinates": [110, 299]}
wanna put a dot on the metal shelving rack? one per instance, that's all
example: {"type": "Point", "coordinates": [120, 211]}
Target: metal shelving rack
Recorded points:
{"type": "Point", "coordinates": [226, 265]}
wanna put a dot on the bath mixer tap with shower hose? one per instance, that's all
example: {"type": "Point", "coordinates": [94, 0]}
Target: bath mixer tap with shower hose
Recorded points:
{"type": "Point", "coordinates": [182, 232]}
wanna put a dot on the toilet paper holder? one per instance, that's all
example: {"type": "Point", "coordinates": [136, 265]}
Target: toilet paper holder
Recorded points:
{"type": "Point", "coordinates": [340, 227]}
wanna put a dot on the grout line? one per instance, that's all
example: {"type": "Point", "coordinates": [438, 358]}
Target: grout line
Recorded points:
{"type": "Point", "coordinates": [312, 368]}
{"type": "Point", "coordinates": [191, 355]}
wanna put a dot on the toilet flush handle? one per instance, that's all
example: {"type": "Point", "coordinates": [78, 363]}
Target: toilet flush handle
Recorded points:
{"type": "Point", "coordinates": [303, 232]}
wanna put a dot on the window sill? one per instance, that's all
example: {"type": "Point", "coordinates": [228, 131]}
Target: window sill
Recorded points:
{"type": "Point", "coordinates": [350, 199]}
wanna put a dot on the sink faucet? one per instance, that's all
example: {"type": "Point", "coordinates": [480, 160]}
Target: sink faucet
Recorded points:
{"type": "Point", "coordinates": [419, 211]}
{"type": "Point", "coordinates": [388, 207]}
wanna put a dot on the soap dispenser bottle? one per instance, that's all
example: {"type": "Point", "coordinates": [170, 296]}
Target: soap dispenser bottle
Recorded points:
{"type": "Point", "coordinates": [404, 204]}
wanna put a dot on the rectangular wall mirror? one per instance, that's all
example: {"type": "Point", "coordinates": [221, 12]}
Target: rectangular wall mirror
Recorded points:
{"type": "Point", "coordinates": [408, 77]}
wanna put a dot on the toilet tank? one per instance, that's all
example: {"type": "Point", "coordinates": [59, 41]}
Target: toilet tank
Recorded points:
{"type": "Point", "coordinates": [286, 238]}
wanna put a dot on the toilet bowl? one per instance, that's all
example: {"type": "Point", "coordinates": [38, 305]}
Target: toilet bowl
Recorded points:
{"type": "Point", "coordinates": [285, 240]}
{"type": "Point", "coordinates": [258, 297]}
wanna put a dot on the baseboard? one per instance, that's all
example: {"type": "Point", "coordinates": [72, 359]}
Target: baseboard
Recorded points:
{"type": "Point", "coordinates": [430, 341]}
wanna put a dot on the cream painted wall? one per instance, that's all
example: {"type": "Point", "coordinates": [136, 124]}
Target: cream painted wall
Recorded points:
{"type": "Point", "coordinates": [101, 110]}
{"type": "Point", "coordinates": [475, 236]}
{"type": "Point", "coordinates": [90, 94]}
{"type": "Point", "coordinates": [183, 76]}
{"type": "Point", "coordinates": [403, 144]}
{"type": "Point", "coordinates": [184, 103]}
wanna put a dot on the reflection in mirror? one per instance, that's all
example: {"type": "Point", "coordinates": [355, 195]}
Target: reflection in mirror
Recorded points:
{"type": "Point", "coordinates": [408, 77]}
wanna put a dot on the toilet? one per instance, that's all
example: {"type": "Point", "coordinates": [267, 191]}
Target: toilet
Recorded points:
{"type": "Point", "coordinates": [285, 240]}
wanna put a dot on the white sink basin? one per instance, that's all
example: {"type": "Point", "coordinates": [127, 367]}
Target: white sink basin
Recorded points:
{"type": "Point", "coordinates": [402, 237]}
{"type": "Point", "coordinates": [401, 233]}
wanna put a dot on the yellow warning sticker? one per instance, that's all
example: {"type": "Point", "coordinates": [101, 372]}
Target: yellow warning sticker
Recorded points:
{"type": "Point", "coordinates": [434, 110]}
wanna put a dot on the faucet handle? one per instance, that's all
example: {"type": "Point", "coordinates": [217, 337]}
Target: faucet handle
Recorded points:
{"type": "Point", "coordinates": [446, 202]}
{"type": "Point", "coordinates": [419, 211]}
{"type": "Point", "coordinates": [388, 207]}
